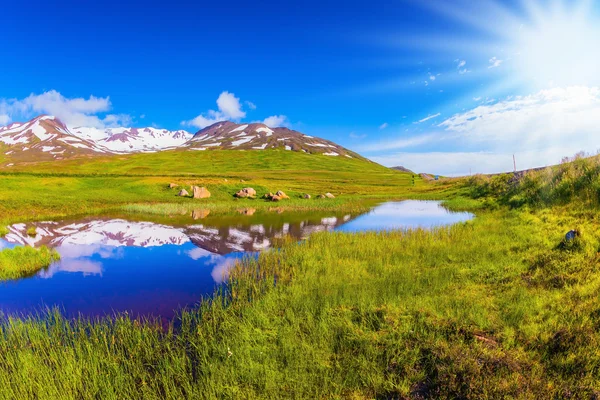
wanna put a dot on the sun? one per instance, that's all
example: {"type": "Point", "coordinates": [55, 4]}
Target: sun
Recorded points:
{"type": "Point", "coordinates": [559, 46]}
{"type": "Point", "coordinates": [528, 46]}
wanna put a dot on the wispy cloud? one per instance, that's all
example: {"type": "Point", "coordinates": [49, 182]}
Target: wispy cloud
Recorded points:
{"type": "Point", "coordinates": [461, 66]}
{"type": "Point", "coordinates": [495, 62]}
{"type": "Point", "coordinates": [383, 126]}
{"type": "Point", "coordinates": [564, 116]}
{"type": "Point", "coordinates": [401, 143]}
{"type": "Point", "coordinates": [428, 118]}
{"type": "Point", "coordinates": [354, 135]}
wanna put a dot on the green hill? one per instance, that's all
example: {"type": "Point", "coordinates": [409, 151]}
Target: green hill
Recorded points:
{"type": "Point", "coordinates": [83, 185]}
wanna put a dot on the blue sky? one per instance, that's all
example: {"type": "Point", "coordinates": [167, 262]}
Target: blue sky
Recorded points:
{"type": "Point", "coordinates": [446, 86]}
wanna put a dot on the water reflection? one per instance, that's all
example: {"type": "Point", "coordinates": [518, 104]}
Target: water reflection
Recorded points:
{"type": "Point", "coordinates": [409, 214]}
{"type": "Point", "coordinates": [154, 268]}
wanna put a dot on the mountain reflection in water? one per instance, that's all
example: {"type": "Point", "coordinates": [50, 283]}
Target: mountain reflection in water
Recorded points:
{"type": "Point", "coordinates": [153, 268]}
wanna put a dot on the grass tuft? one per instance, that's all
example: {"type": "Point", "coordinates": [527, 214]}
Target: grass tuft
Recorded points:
{"type": "Point", "coordinates": [24, 261]}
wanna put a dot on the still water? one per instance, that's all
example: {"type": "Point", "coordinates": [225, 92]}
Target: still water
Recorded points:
{"type": "Point", "coordinates": [117, 264]}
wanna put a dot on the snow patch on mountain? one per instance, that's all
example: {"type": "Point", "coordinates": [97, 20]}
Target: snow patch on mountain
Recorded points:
{"type": "Point", "coordinates": [128, 140]}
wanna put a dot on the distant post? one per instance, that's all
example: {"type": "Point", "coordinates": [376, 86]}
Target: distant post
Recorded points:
{"type": "Point", "coordinates": [514, 163]}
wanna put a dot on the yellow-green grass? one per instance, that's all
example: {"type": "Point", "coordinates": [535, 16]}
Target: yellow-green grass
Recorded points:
{"type": "Point", "coordinates": [60, 188]}
{"type": "Point", "coordinates": [24, 261]}
{"type": "Point", "coordinates": [576, 181]}
{"type": "Point", "coordinates": [497, 307]}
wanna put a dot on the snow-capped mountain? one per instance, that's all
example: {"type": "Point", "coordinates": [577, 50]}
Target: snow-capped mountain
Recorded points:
{"type": "Point", "coordinates": [128, 140]}
{"type": "Point", "coordinates": [43, 138]}
{"type": "Point", "coordinates": [256, 136]}
{"type": "Point", "coordinates": [46, 138]}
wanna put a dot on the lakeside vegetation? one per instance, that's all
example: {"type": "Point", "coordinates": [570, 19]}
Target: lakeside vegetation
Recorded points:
{"type": "Point", "coordinates": [489, 308]}
{"type": "Point", "coordinates": [24, 261]}
{"type": "Point", "coordinates": [500, 306]}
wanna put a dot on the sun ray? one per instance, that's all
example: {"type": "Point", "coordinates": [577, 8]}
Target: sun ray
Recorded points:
{"type": "Point", "coordinates": [503, 20]}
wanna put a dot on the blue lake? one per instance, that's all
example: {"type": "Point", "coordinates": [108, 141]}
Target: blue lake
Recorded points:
{"type": "Point", "coordinates": [153, 268]}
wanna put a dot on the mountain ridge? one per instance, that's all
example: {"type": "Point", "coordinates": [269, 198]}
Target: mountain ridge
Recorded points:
{"type": "Point", "coordinates": [46, 138]}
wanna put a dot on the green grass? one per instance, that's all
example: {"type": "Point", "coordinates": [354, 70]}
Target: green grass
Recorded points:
{"type": "Point", "coordinates": [86, 186]}
{"type": "Point", "coordinates": [21, 262]}
{"type": "Point", "coordinates": [498, 307]}
{"type": "Point", "coordinates": [491, 308]}
{"type": "Point", "coordinates": [575, 181]}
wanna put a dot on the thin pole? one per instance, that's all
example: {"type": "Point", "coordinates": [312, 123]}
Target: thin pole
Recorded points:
{"type": "Point", "coordinates": [515, 163]}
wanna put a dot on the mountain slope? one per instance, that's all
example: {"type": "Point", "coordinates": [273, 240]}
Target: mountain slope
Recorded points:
{"type": "Point", "coordinates": [402, 169]}
{"type": "Point", "coordinates": [44, 138]}
{"type": "Point", "coordinates": [128, 140]}
{"type": "Point", "coordinates": [256, 136]}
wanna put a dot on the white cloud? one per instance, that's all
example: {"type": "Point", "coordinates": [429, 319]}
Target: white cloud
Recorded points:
{"type": "Point", "coordinates": [72, 111]}
{"type": "Point", "coordinates": [250, 105]}
{"type": "Point", "coordinates": [461, 66]}
{"type": "Point", "coordinates": [229, 108]}
{"type": "Point", "coordinates": [465, 163]}
{"type": "Point", "coordinates": [432, 77]}
{"type": "Point", "coordinates": [275, 121]}
{"type": "Point", "coordinates": [402, 143]}
{"type": "Point", "coordinates": [354, 135]}
{"type": "Point", "coordinates": [383, 126]}
{"type": "Point", "coordinates": [560, 116]}
{"type": "Point", "coordinates": [428, 118]}
{"type": "Point", "coordinates": [540, 129]}
{"type": "Point", "coordinates": [495, 62]}
{"type": "Point", "coordinates": [4, 119]}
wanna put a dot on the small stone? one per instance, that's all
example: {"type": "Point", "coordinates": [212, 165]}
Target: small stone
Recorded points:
{"type": "Point", "coordinates": [306, 196]}
{"type": "Point", "coordinates": [281, 195]}
{"type": "Point", "coordinates": [200, 192]}
{"type": "Point", "coordinates": [329, 196]}
{"type": "Point", "coordinates": [246, 192]}
{"type": "Point", "coordinates": [172, 185]}
{"type": "Point", "coordinates": [183, 193]}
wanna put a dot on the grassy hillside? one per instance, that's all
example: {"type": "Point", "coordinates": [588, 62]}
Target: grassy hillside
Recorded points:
{"type": "Point", "coordinates": [205, 163]}
{"type": "Point", "coordinates": [575, 181]}
{"type": "Point", "coordinates": [59, 188]}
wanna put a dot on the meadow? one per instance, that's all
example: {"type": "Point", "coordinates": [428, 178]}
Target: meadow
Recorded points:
{"type": "Point", "coordinates": [86, 186]}
{"type": "Point", "coordinates": [502, 306]}
{"type": "Point", "coordinates": [490, 308]}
